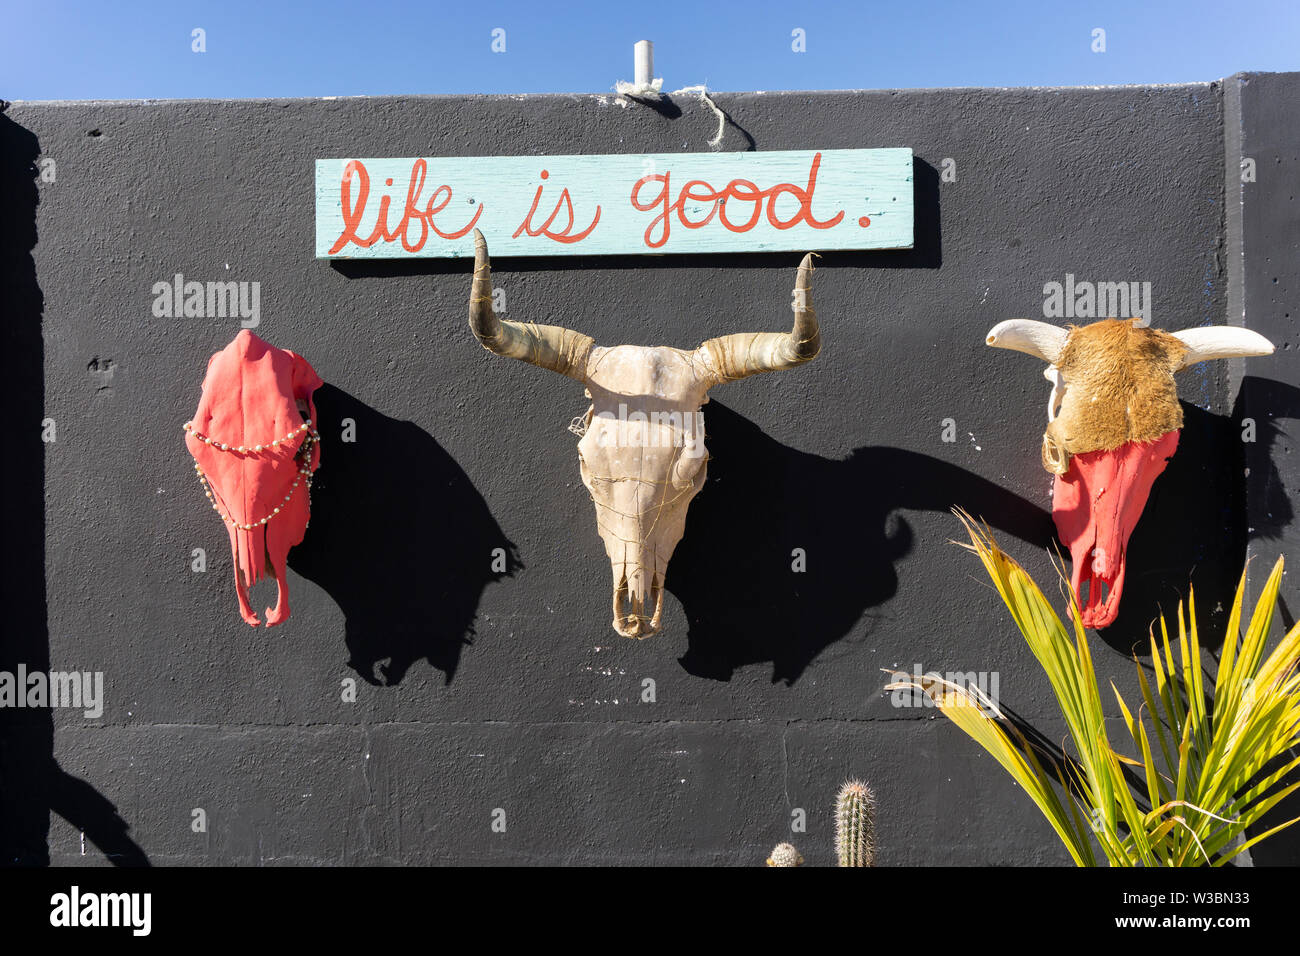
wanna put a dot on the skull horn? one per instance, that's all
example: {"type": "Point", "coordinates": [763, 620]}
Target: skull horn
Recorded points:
{"type": "Point", "coordinates": [1220, 341]}
{"type": "Point", "coordinates": [1029, 336]}
{"type": "Point", "coordinates": [736, 356]}
{"type": "Point", "coordinates": [550, 346]}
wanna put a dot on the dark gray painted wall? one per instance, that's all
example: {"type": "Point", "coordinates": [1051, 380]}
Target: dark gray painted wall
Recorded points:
{"type": "Point", "coordinates": [484, 691]}
{"type": "Point", "coordinates": [1264, 241]}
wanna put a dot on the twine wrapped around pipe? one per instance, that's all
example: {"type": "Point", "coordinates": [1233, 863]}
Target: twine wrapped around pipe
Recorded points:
{"type": "Point", "coordinates": [650, 90]}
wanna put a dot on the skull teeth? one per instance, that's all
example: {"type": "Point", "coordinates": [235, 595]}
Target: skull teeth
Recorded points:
{"type": "Point", "coordinates": [630, 605]}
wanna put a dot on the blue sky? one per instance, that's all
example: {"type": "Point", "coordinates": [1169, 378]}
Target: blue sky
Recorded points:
{"type": "Point", "coordinates": [126, 50]}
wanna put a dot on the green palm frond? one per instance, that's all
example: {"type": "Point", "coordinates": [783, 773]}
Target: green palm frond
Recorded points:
{"type": "Point", "coordinates": [1208, 765]}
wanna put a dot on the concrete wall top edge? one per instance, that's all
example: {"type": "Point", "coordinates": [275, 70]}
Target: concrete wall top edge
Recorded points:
{"type": "Point", "coordinates": [611, 95]}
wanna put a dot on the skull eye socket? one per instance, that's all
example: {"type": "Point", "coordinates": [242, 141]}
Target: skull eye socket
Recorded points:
{"type": "Point", "coordinates": [581, 423]}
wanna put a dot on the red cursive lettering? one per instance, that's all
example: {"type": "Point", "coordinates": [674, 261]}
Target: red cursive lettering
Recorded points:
{"type": "Point", "coordinates": [354, 213]}
{"type": "Point", "coordinates": [559, 235]}
{"type": "Point", "coordinates": [736, 191]}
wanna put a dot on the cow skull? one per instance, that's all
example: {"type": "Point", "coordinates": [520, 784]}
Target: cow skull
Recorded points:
{"type": "Point", "coordinates": [1113, 423]}
{"type": "Point", "coordinates": [255, 446]}
{"type": "Point", "coordinates": [642, 451]}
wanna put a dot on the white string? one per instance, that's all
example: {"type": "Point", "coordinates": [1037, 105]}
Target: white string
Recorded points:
{"type": "Point", "coordinates": [704, 96]}
{"type": "Point", "coordinates": [654, 90]}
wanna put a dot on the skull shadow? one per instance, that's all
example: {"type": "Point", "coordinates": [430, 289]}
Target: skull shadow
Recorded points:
{"type": "Point", "coordinates": [1191, 533]}
{"type": "Point", "coordinates": [1267, 402]}
{"type": "Point", "coordinates": [762, 499]}
{"type": "Point", "coordinates": [1271, 526]}
{"type": "Point", "coordinates": [389, 544]}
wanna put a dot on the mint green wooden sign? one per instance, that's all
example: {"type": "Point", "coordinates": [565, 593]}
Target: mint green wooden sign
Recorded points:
{"type": "Point", "coordinates": [656, 203]}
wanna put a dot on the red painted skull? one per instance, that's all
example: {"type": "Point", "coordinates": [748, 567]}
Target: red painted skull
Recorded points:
{"type": "Point", "coordinates": [255, 448]}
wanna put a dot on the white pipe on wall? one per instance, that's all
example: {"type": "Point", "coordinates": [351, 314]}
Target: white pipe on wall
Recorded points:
{"type": "Point", "coordinates": [644, 54]}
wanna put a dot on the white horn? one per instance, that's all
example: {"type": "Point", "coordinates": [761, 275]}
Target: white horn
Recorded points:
{"type": "Point", "coordinates": [1221, 341]}
{"type": "Point", "coordinates": [1029, 336]}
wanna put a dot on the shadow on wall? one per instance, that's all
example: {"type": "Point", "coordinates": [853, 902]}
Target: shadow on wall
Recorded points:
{"type": "Point", "coordinates": [732, 571]}
{"type": "Point", "coordinates": [1192, 531]}
{"type": "Point", "coordinates": [1283, 849]}
{"type": "Point", "coordinates": [764, 499]}
{"type": "Point", "coordinates": [31, 781]}
{"type": "Point", "coordinates": [667, 107]}
{"type": "Point", "coordinates": [1195, 526]}
{"type": "Point", "coordinates": [1271, 510]}
{"type": "Point", "coordinates": [393, 519]}
{"type": "Point", "coordinates": [1271, 513]}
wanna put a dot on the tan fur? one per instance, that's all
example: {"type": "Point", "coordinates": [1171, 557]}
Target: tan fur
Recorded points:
{"type": "Point", "coordinates": [1119, 388]}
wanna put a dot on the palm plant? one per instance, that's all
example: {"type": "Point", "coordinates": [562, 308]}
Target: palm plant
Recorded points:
{"type": "Point", "coordinates": [1201, 770]}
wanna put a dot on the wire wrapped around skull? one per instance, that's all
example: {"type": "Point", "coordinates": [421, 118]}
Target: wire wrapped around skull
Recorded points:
{"type": "Point", "coordinates": [549, 346]}
{"type": "Point", "coordinates": [742, 354]}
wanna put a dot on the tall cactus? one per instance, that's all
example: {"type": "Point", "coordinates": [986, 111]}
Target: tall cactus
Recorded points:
{"type": "Point", "coordinates": [855, 825]}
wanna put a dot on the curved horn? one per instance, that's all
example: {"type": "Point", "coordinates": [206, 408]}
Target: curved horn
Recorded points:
{"type": "Point", "coordinates": [550, 346]}
{"type": "Point", "coordinates": [1220, 341]}
{"type": "Point", "coordinates": [734, 357]}
{"type": "Point", "coordinates": [1029, 336]}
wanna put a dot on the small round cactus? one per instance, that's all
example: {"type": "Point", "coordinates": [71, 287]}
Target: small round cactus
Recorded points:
{"type": "Point", "coordinates": [855, 825]}
{"type": "Point", "coordinates": [784, 854]}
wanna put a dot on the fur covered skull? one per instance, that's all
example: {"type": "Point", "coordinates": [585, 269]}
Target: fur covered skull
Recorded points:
{"type": "Point", "coordinates": [1113, 424]}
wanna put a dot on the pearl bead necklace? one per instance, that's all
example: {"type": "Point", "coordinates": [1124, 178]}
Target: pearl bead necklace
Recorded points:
{"type": "Point", "coordinates": [303, 454]}
{"type": "Point", "coordinates": [245, 449]}
{"type": "Point", "coordinates": [203, 480]}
